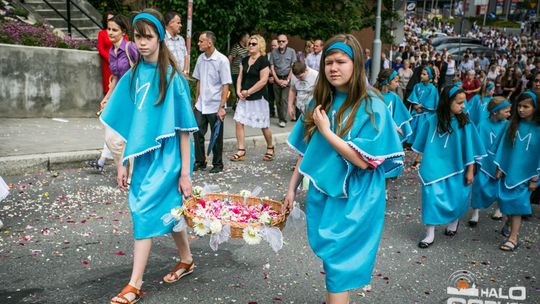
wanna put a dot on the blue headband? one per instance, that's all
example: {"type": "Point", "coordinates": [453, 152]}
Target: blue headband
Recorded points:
{"type": "Point", "coordinates": [345, 48]}
{"type": "Point", "coordinates": [392, 76]}
{"type": "Point", "coordinates": [504, 104]}
{"type": "Point", "coordinates": [428, 70]}
{"type": "Point", "coordinates": [458, 83]}
{"type": "Point", "coordinates": [453, 91]}
{"type": "Point", "coordinates": [533, 96]}
{"type": "Point", "coordinates": [154, 20]}
{"type": "Point", "coordinates": [490, 86]}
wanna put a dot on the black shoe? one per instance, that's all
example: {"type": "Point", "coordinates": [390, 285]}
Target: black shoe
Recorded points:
{"type": "Point", "coordinates": [450, 232]}
{"type": "Point", "coordinates": [94, 164]}
{"type": "Point", "coordinates": [198, 167]}
{"type": "Point", "coordinates": [425, 245]}
{"type": "Point", "coordinates": [216, 169]}
{"type": "Point", "coordinates": [473, 223]}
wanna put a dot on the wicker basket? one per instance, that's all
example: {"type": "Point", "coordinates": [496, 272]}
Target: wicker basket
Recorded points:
{"type": "Point", "coordinates": [236, 228]}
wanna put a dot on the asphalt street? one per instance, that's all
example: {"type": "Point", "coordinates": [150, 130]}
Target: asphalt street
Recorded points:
{"type": "Point", "coordinates": [67, 239]}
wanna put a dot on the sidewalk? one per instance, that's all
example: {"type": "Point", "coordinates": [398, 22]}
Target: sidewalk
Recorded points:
{"type": "Point", "coordinates": [39, 144]}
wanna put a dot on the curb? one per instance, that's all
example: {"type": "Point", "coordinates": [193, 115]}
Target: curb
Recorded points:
{"type": "Point", "coordinates": [34, 163]}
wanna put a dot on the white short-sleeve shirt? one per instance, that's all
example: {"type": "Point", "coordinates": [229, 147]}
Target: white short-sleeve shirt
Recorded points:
{"type": "Point", "coordinates": [304, 88]}
{"type": "Point", "coordinates": [213, 73]}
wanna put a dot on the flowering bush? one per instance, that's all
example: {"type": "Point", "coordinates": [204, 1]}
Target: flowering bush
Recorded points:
{"type": "Point", "coordinates": [16, 32]}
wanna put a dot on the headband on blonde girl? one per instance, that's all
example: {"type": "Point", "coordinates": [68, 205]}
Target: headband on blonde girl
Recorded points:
{"type": "Point", "coordinates": [533, 96]}
{"type": "Point", "coordinates": [392, 76]}
{"type": "Point", "coordinates": [154, 20]}
{"type": "Point", "coordinates": [490, 86]}
{"type": "Point", "coordinates": [429, 73]}
{"type": "Point", "coordinates": [345, 48]}
{"type": "Point", "coordinates": [502, 105]}
{"type": "Point", "coordinates": [453, 91]}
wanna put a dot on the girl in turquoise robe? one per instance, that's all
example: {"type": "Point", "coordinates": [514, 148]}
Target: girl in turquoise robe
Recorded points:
{"type": "Point", "coordinates": [449, 146]}
{"type": "Point", "coordinates": [518, 165]}
{"type": "Point", "coordinates": [477, 105]}
{"type": "Point", "coordinates": [150, 109]}
{"type": "Point", "coordinates": [485, 188]}
{"type": "Point", "coordinates": [424, 99]}
{"type": "Point", "coordinates": [344, 154]}
{"type": "Point", "coordinates": [387, 82]}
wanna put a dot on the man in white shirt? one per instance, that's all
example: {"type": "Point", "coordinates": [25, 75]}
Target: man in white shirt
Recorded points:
{"type": "Point", "coordinates": [302, 86]}
{"type": "Point", "coordinates": [176, 43]}
{"type": "Point", "coordinates": [313, 60]}
{"type": "Point", "coordinates": [213, 75]}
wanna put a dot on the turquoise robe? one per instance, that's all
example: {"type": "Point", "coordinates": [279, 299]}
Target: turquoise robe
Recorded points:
{"type": "Point", "coordinates": [520, 162]}
{"type": "Point", "coordinates": [402, 118]}
{"type": "Point", "coordinates": [477, 108]}
{"type": "Point", "coordinates": [442, 170]}
{"type": "Point", "coordinates": [485, 187]}
{"type": "Point", "coordinates": [151, 133]}
{"type": "Point", "coordinates": [345, 204]}
{"type": "Point", "coordinates": [426, 95]}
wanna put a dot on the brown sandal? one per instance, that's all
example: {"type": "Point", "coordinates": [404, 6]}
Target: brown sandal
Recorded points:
{"type": "Point", "coordinates": [122, 295]}
{"type": "Point", "coordinates": [187, 269]}
{"type": "Point", "coordinates": [237, 156]}
{"type": "Point", "coordinates": [269, 156]}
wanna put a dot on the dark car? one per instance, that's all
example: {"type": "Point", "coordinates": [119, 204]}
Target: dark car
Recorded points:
{"type": "Point", "coordinates": [440, 40]}
{"type": "Point", "coordinates": [458, 52]}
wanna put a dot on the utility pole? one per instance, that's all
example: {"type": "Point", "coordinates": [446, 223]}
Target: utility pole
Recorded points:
{"type": "Point", "coordinates": [392, 34]}
{"type": "Point", "coordinates": [376, 58]}
{"type": "Point", "coordinates": [451, 7]}
{"type": "Point", "coordinates": [424, 10]}
{"type": "Point", "coordinates": [188, 34]}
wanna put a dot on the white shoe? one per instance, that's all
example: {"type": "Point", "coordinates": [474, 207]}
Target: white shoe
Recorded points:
{"type": "Point", "coordinates": [1, 224]}
{"type": "Point", "coordinates": [282, 124]}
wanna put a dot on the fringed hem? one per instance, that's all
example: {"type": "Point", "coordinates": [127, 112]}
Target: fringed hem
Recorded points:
{"type": "Point", "coordinates": [119, 135]}
{"type": "Point", "coordinates": [315, 184]}
{"type": "Point", "coordinates": [440, 179]}
{"type": "Point", "coordinates": [369, 156]}
{"type": "Point", "coordinates": [294, 148]}
{"type": "Point", "coordinates": [159, 140]}
{"type": "Point", "coordinates": [406, 137]}
{"type": "Point", "coordinates": [520, 182]}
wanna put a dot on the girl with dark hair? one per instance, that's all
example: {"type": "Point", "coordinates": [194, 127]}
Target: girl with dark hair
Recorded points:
{"type": "Point", "coordinates": [448, 146]}
{"type": "Point", "coordinates": [424, 99]}
{"type": "Point", "coordinates": [485, 188]}
{"type": "Point", "coordinates": [476, 107]}
{"type": "Point", "coordinates": [345, 154]}
{"type": "Point", "coordinates": [518, 165]}
{"type": "Point", "coordinates": [151, 110]}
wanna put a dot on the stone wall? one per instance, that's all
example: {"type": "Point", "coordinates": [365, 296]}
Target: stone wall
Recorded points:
{"type": "Point", "coordinates": [48, 82]}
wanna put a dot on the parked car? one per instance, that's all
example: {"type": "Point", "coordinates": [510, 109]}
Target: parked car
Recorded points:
{"type": "Point", "coordinates": [458, 52]}
{"type": "Point", "coordinates": [450, 45]}
{"type": "Point", "coordinates": [440, 40]}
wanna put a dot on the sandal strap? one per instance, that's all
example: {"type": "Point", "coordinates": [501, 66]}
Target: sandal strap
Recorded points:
{"type": "Point", "coordinates": [181, 266]}
{"type": "Point", "coordinates": [128, 289]}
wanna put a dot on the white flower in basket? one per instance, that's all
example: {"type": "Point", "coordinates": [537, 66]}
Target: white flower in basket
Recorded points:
{"type": "Point", "coordinates": [197, 190]}
{"type": "Point", "coordinates": [245, 193]}
{"type": "Point", "coordinates": [215, 226]}
{"type": "Point", "coordinates": [251, 235]}
{"type": "Point", "coordinates": [200, 227]}
{"type": "Point", "coordinates": [177, 212]}
{"type": "Point", "coordinates": [265, 218]}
